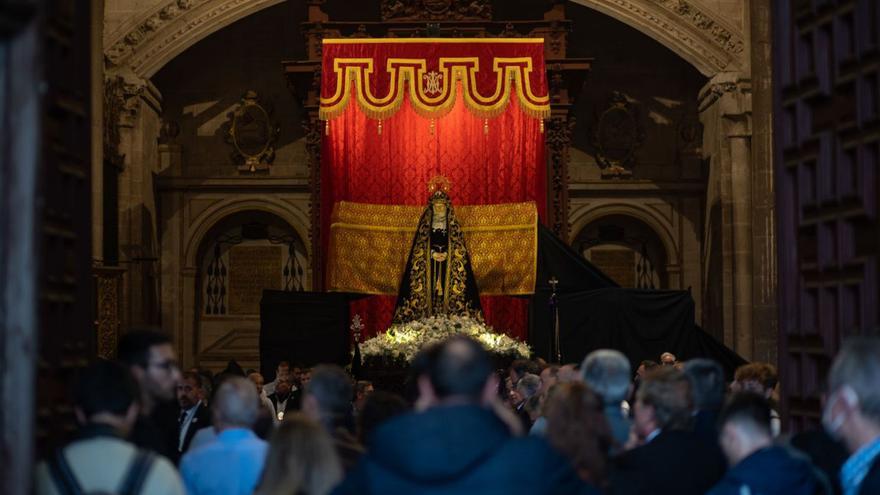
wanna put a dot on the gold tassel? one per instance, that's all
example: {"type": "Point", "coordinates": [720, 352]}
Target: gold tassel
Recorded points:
{"type": "Point", "coordinates": [326, 127]}
{"type": "Point", "coordinates": [380, 127]}
{"type": "Point", "coordinates": [486, 126]}
{"type": "Point", "coordinates": [542, 126]}
{"type": "Point", "coordinates": [432, 127]}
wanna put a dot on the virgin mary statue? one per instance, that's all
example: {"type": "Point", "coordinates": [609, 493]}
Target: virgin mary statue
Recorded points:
{"type": "Point", "coordinates": [438, 279]}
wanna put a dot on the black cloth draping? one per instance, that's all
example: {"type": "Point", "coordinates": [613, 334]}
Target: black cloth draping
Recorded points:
{"type": "Point", "coordinates": [595, 313]}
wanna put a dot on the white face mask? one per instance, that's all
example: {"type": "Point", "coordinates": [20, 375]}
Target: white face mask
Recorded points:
{"type": "Point", "coordinates": [831, 423]}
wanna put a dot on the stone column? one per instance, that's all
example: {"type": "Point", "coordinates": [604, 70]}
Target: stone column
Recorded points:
{"type": "Point", "coordinates": [725, 111]}
{"type": "Point", "coordinates": [763, 192]}
{"type": "Point", "coordinates": [138, 133]}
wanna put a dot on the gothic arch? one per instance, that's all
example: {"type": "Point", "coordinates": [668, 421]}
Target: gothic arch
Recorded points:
{"type": "Point", "coordinates": [659, 225]}
{"type": "Point", "coordinates": [223, 209]}
{"type": "Point", "coordinates": [143, 46]}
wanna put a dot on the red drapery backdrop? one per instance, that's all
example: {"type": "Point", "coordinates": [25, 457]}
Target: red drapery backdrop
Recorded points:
{"type": "Point", "coordinates": [390, 161]}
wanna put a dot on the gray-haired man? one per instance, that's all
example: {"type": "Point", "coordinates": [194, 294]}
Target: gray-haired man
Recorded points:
{"type": "Point", "coordinates": [608, 372]}
{"type": "Point", "coordinates": [852, 413]}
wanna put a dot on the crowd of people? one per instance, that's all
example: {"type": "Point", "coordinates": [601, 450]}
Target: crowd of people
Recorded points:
{"type": "Point", "coordinates": [667, 427]}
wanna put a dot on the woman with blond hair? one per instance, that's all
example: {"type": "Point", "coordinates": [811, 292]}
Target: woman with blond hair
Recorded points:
{"type": "Point", "coordinates": [301, 460]}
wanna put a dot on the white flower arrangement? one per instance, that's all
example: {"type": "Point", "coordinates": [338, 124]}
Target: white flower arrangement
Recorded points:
{"type": "Point", "coordinates": [404, 341]}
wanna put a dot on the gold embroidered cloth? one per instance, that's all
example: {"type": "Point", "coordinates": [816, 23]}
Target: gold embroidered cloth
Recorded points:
{"type": "Point", "coordinates": [369, 245]}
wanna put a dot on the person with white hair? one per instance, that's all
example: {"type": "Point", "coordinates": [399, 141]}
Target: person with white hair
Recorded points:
{"type": "Point", "coordinates": [607, 372]}
{"type": "Point", "coordinates": [852, 413]}
{"type": "Point", "coordinates": [230, 465]}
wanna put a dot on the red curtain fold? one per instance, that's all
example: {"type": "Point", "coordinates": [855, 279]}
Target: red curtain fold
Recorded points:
{"type": "Point", "coordinates": [390, 161]}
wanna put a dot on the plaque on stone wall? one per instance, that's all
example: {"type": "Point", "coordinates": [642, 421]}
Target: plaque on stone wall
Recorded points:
{"type": "Point", "coordinates": [618, 264]}
{"type": "Point", "coordinates": [252, 269]}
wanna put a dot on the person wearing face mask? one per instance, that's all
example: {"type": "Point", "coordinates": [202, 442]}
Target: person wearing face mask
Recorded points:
{"type": "Point", "coordinates": [852, 413]}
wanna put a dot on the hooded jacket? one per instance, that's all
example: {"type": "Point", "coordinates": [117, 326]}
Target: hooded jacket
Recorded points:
{"type": "Point", "coordinates": [458, 449]}
{"type": "Point", "coordinates": [772, 471]}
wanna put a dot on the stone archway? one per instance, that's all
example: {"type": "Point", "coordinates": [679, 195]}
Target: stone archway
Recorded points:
{"type": "Point", "coordinates": [141, 47]}
{"type": "Point", "coordinates": [626, 249]}
{"type": "Point", "coordinates": [237, 258]}
{"type": "Point", "coordinates": [183, 249]}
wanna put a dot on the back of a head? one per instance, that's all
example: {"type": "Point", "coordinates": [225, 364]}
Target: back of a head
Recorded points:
{"type": "Point", "coordinates": [134, 346]}
{"type": "Point", "coordinates": [236, 403]}
{"type": "Point", "coordinates": [379, 407]}
{"type": "Point", "coordinates": [857, 366]}
{"type": "Point", "coordinates": [332, 389]}
{"type": "Point", "coordinates": [763, 373]}
{"type": "Point", "coordinates": [667, 390]}
{"type": "Point", "coordinates": [608, 373]}
{"type": "Point", "coordinates": [301, 459]}
{"type": "Point", "coordinates": [105, 387]}
{"type": "Point", "coordinates": [749, 412]}
{"type": "Point", "coordinates": [577, 427]}
{"type": "Point", "coordinates": [461, 368]}
{"type": "Point", "coordinates": [707, 383]}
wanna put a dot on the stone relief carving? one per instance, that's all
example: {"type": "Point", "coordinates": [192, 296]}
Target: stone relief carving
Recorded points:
{"type": "Point", "coordinates": [127, 45]}
{"type": "Point", "coordinates": [434, 10]}
{"type": "Point", "coordinates": [252, 133]}
{"type": "Point", "coordinates": [718, 46]}
{"type": "Point", "coordinates": [730, 42]}
{"type": "Point", "coordinates": [121, 105]}
{"type": "Point", "coordinates": [726, 47]}
{"type": "Point", "coordinates": [616, 135]}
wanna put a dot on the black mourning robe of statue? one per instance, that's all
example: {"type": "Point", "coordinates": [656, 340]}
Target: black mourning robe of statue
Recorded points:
{"type": "Point", "coordinates": [438, 279]}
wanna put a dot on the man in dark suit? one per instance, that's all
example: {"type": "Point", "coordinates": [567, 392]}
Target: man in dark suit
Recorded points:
{"type": "Point", "coordinates": [852, 413]}
{"type": "Point", "coordinates": [283, 399]}
{"type": "Point", "coordinates": [671, 458]}
{"type": "Point", "coordinates": [150, 356]}
{"type": "Point", "coordinates": [194, 414]}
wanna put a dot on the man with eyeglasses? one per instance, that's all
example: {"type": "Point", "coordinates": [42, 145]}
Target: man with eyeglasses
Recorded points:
{"type": "Point", "coordinates": [150, 356]}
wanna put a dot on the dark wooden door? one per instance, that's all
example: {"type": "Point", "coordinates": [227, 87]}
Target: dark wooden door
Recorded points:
{"type": "Point", "coordinates": [45, 226]}
{"type": "Point", "coordinates": [827, 132]}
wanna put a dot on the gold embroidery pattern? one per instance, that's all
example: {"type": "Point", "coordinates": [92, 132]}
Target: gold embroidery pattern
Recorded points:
{"type": "Point", "coordinates": [369, 245]}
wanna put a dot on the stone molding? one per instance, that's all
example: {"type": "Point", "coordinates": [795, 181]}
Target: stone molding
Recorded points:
{"type": "Point", "coordinates": [663, 227]}
{"type": "Point", "coordinates": [722, 84]}
{"type": "Point", "coordinates": [167, 30]}
{"type": "Point", "coordinates": [702, 38]}
{"type": "Point", "coordinates": [199, 226]}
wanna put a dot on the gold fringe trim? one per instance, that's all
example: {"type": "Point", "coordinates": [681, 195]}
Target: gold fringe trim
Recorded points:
{"type": "Point", "coordinates": [355, 79]}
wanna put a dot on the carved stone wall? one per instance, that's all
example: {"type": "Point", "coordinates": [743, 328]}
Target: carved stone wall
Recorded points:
{"type": "Point", "coordinates": [202, 86]}
{"type": "Point", "coordinates": [666, 179]}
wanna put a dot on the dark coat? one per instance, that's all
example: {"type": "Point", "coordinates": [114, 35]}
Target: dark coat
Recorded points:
{"type": "Point", "coordinates": [293, 403]}
{"type": "Point", "coordinates": [826, 453]}
{"type": "Point", "coordinates": [458, 449]}
{"type": "Point", "coordinates": [871, 483]}
{"type": "Point", "coordinates": [157, 432]}
{"type": "Point", "coordinates": [773, 471]}
{"type": "Point", "coordinates": [679, 462]}
{"type": "Point", "coordinates": [202, 419]}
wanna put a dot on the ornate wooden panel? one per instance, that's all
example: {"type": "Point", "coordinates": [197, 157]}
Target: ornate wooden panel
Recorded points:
{"type": "Point", "coordinates": [827, 140]}
{"type": "Point", "coordinates": [67, 337]}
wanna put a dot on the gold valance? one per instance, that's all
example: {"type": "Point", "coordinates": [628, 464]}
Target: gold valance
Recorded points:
{"type": "Point", "coordinates": [369, 245]}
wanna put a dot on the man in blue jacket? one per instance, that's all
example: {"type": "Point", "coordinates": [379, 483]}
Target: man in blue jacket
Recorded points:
{"type": "Point", "coordinates": [458, 444]}
{"type": "Point", "coordinates": [757, 465]}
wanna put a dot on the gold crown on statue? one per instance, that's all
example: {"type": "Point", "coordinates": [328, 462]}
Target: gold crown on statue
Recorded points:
{"type": "Point", "coordinates": [439, 183]}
